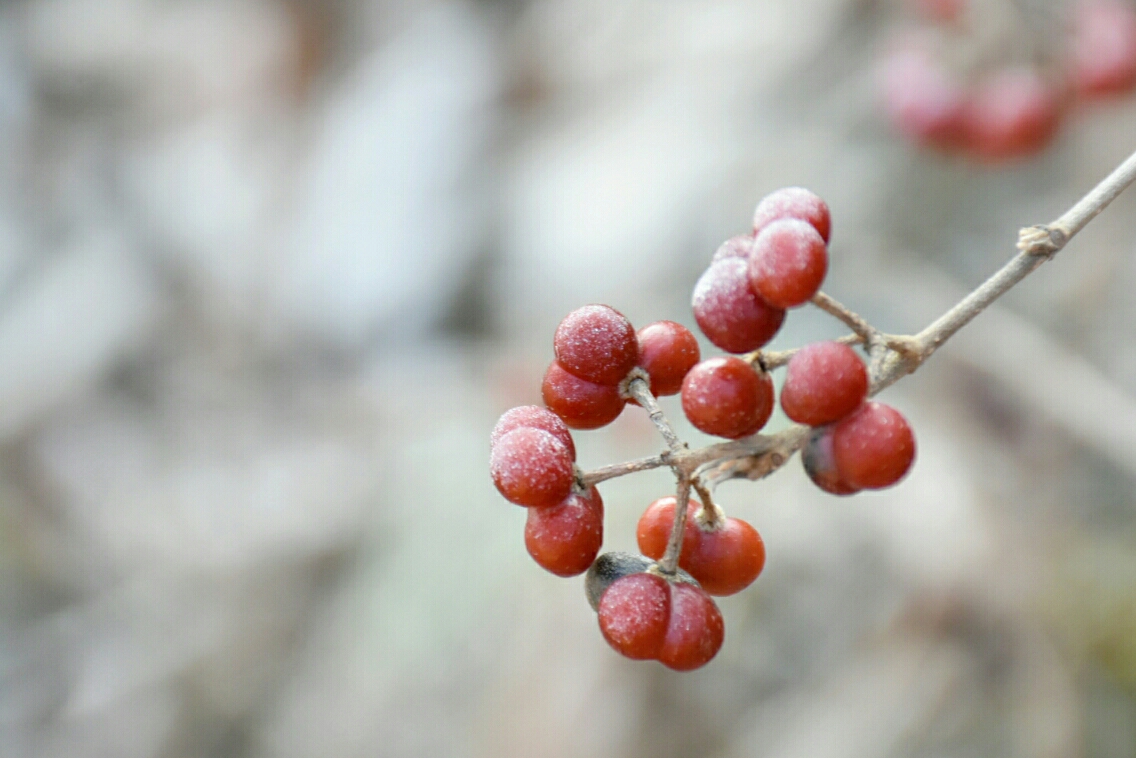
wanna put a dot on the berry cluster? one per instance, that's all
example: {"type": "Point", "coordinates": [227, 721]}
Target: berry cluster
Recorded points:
{"type": "Point", "coordinates": [658, 605]}
{"type": "Point", "coordinates": [1010, 110]}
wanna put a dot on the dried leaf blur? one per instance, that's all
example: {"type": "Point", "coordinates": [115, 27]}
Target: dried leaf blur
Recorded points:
{"type": "Point", "coordinates": [270, 270]}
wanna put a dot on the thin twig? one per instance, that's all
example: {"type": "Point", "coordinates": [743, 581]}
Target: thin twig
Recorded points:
{"type": "Point", "coordinates": [854, 321]}
{"type": "Point", "coordinates": [639, 387]}
{"type": "Point", "coordinates": [668, 564]}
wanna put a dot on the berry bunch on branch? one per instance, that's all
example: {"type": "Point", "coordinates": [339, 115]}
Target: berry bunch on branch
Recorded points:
{"type": "Point", "coordinates": [659, 605]}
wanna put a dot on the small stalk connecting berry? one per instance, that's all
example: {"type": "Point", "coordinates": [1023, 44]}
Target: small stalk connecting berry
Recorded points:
{"type": "Point", "coordinates": [658, 605]}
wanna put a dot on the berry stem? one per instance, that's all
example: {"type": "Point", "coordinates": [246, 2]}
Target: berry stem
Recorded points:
{"type": "Point", "coordinates": [771, 359]}
{"type": "Point", "coordinates": [668, 564]}
{"type": "Point", "coordinates": [867, 333]}
{"type": "Point", "coordinates": [712, 515]}
{"type": "Point", "coordinates": [640, 389]}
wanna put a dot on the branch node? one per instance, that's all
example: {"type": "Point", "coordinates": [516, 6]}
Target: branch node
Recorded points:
{"type": "Point", "coordinates": [1042, 240]}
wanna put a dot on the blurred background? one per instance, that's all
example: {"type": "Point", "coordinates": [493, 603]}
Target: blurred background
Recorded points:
{"type": "Point", "coordinates": [271, 269]}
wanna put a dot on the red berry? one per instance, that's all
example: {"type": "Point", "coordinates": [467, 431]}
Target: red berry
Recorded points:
{"type": "Point", "coordinates": [724, 559]}
{"type": "Point", "coordinates": [535, 417]}
{"type": "Point", "coordinates": [734, 247]}
{"type": "Point", "coordinates": [1103, 48]}
{"type": "Point", "coordinates": [824, 382]}
{"type": "Point", "coordinates": [596, 343]}
{"type": "Point", "coordinates": [580, 403]}
{"type": "Point", "coordinates": [695, 630]}
{"type": "Point", "coordinates": [634, 613]}
{"type": "Point", "coordinates": [654, 529]}
{"type": "Point", "coordinates": [788, 263]}
{"type": "Point", "coordinates": [1012, 113]}
{"type": "Point", "coordinates": [820, 465]}
{"type": "Point", "coordinates": [727, 557]}
{"type": "Point", "coordinates": [566, 538]}
{"type": "Point", "coordinates": [531, 467]}
{"type": "Point", "coordinates": [729, 312]}
{"type": "Point", "coordinates": [921, 98]}
{"type": "Point", "coordinates": [874, 447]}
{"type": "Point", "coordinates": [667, 351]}
{"type": "Point", "coordinates": [793, 202]}
{"type": "Point", "coordinates": [726, 397]}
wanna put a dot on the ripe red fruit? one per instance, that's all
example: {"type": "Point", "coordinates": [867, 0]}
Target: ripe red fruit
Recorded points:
{"type": "Point", "coordinates": [788, 263]}
{"type": "Point", "coordinates": [724, 559]}
{"type": "Point", "coordinates": [566, 538]}
{"type": "Point", "coordinates": [596, 343]}
{"type": "Point", "coordinates": [921, 98]}
{"type": "Point", "coordinates": [1103, 55]}
{"type": "Point", "coordinates": [654, 530]}
{"type": "Point", "coordinates": [1012, 113]}
{"type": "Point", "coordinates": [535, 417]}
{"type": "Point", "coordinates": [824, 382]}
{"type": "Point", "coordinates": [820, 465]}
{"type": "Point", "coordinates": [727, 558]}
{"type": "Point", "coordinates": [695, 630]}
{"type": "Point", "coordinates": [726, 397]}
{"type": "Point", "coordinates": [634, 613]}
{"type": "Point", "coordinates": [793, 202]}
{"type": "Point", "coordinates": [580, 403]}
{"type": "Point", "coordinates": [874, 447]}
{"type": "Point", "coordinates": [729, 312]}
{"type": "Point", "coordinates": [531, 468]}
{"type": "Point", "coordinates": [667, 351]}
{"type": "Point", "coordinates": [734, 247]}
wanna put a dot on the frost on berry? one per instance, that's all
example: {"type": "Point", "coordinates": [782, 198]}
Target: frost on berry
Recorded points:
{"type": "Point", "coordinates": [537, 418]}
{"type": "Point", "coordinates": [788, 263]}
{"type": "Point", "coordinates": [874, 447]}
{"type": "Point", "coordinates": [580, 403]}
{"type": "Point", "coordinates": [695, 631]}
{"type": "Point", "coordinates": [824, 382]}
{"type": "Point", "coordinates": [634, 614]}
{"type": "Point", "coordinates": [726, 397]}
{"type": "Point", "coordinates": [530, 467]}
{"type": "Point", "coordinates": [793, 202]}
{"type": "Point", "coordinates": [606, 569]}
{"type": "Point", "coordinates": [596, 343]}
{"type": "Point", "coordinates": [667, 351]}
{"type": "Point", "coordinates": [816, 455]}
{"type": "Point", "coordinates": [729, 312]}
{"type": "Point", "coordinates": [566, 538]}
{"type": "Point", "coordinates": [734, 247]}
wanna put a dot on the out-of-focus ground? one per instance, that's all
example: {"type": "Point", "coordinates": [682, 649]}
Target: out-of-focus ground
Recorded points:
{"type": "Point", "coordinates": [270, 270]}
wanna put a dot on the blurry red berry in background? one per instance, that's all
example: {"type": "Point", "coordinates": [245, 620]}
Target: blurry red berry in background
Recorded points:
{"type": "Point", "coordinates": [1103, 51]}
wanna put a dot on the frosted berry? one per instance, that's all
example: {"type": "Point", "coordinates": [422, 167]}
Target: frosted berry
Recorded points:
{"type": "Point", "coordinates": [580, 403]}
{"type": "Point", "coordinates": [1103, 55]}
{"type": "Point", "coordinates": [874, 447]}
{"type": "Point", "coordinates": [734, 247]}
{"type": "Point", "coordinates": [726, 397]}
{"type": "Point", "coordinates": [824, 382]}
{"type": "Point", "coordinates": [788, 263]}
{"type": "Point", "coordinates": [531, 467]}
{"type": "Point", "coordinates": [634, 613]}
{"type": "Point", "coordinates": [537, 418]}
{"type": "Point", "coordinates": [695, 630]}
{"type": "Point", "coordinates": [820, 465]}
{"type": "Point", "coordinates": [607, 569]}
{"type": "Point", "coordinates": [596, 343]}
{"type": "Point", "coordinates": [566, 538]}
{"type": "Point", "coordinates": [667, 351]}
{"type": "Point", "coordinates": [729, 312]}
{"type": "Point", "coordinates": [793, 202]}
